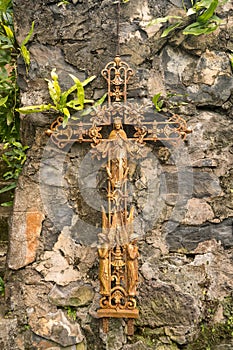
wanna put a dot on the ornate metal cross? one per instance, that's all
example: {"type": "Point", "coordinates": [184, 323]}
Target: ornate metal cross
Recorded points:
{"type": "Point", "coordinates": [117, 247]}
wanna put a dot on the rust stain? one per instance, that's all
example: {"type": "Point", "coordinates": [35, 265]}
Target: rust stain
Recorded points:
{"type": "Point", "coordinates": [32, 233]}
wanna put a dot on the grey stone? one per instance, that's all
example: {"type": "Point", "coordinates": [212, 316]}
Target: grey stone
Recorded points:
{"type": "Point", "coordinates": [57, 327]}
{"type": "Point", "coordinates": [175, 63]}
{"type": "Point", "coordinates": [55, 268]}
{"type": "Point", "coordinates": [200, 184]}
{"type": "Point", "coordinates": [59, 265]}
{"type": "Point", "coordinates": [189, 237]}
{"type": "Point", "coordinates": [167, 347]}
{"type": "Point", "coordinates": [116, 337]}
{"type": "Point", "coordinates": [54, 58]}
{"type": "Point", "coordinates": [207, 81]}
{"type": "Point", "coordinates": [223, 206]}
{"type": "Point", "coordinates": [198, 212]}
{"type": "Point", "coordinates": [224, 346]}
{"type": "Point", "coordinates": [163, 305]}
{"type": "Point", "coordinates": [75, 294]}
{"type": "Point", "coordinates": [26, 225]}
{"type": "Point", "coordinates": [136, 346]}
{"type": "Point", "coordinates": [206, 185]}
{"type": "Point", "coordinates": [8, 334]}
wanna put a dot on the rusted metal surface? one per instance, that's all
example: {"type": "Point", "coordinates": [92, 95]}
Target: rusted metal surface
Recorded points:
{"type": "Point", "coordinates": [117, 247]}
{"type": "Point", "coordinates": [117, 73]}
{"type": "Point", "coordinates": [173, 129]}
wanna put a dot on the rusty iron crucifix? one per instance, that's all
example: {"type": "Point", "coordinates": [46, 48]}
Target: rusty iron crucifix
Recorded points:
{"type": "Point", "coordinates": [117, 246]}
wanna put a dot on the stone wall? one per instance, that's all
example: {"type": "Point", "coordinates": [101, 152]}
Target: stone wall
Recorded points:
{"type": "Point", "coordinates": [183, 196]}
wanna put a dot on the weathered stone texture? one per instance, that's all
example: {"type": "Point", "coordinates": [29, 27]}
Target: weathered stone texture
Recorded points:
{"type": "Point", "coordinates": [26, 225]}
{"type": "Point", "coordinates": [57, 327]}
{"type": "Point", "coordinates": [76, 294]}
{"type": "Point", "coordinates": [182, 197]}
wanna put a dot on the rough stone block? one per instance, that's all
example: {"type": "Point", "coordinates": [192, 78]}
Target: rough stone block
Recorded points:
{"type": "Point", "coordinates": [8, 334]}
{"type": "Point", "coordinates": [188, 237]}
{"type": "Point", "coordinates": [198, 212]}
{"type": "Point", "coordinates": [57, 327]}
{"type": "Point", "coordinates": [75, 294]}
{"type": "Point", "coordinates": [24, 238]}
{"type": "Point", "coordinates": [136, 346]}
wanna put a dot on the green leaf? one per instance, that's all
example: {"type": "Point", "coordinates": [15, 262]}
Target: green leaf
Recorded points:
{"type": "Point", "coordinates": [26, 54]}
{"type": "Point", "coordinates": [63, 2]}
{"type": "Point", "coordinates": [170, 29]}
{"type": "Point", "coordinates": [156, 98]}
{"type": "Point", "coordinates": [199, 5]}
{"type": "Point", "coordinates": [2, 287]}
{"type": "Point", "coordinates": [88, 80]}
{"type": "Point", "coordinates": [54, 89]}
{"type": "Point", "coordinates": [18, 145]}
{"type": "Point", "coordinates": [9, 117]}
{"type": "Point", "coordinates": [203, 18]}
{"type": "Point", "coordinates": [26, 40]}
{"type": "Point", "coordinates": [3, 100]}
{"type": "Point", "coordinates": [101, 100]}
{"type": "Point", "coordinates": [57, 94]}
{"type": "Point", "coordinates": [215, 19]}
{"type": "Point", "coordinates": [197, 29]}
{"type": "Point", "coordinates": [66, 112]}
{"type": "Point", "coordinates": [54, 75]}
{"type": "Point", "coordinates": [34, 109]}
{"type": "Point", "coordinates": [77, 108]}
{"type": "Point", "coordinates": [163, 20]}
{"type": "Point", "coordinates": [9, 32]}
{"type": "Point", "coordinates": [231, 60]}
{"type": "Point", "coordinates": [158, 104]}
{"type": "Point", "coordinates": [73, 103]}
{"type": "Point", "coordinates": [7, 204]}
{"type": "Point", "coordinates": [80, 90]}
{"type": "Point", "coordinates": [65, 121]}
{"type": "Point", "coordinates": [4, 5]}
{"type": "Point", "coordinates": [88, 101]}
{"type": "Point", "coordinates": [8, 188]}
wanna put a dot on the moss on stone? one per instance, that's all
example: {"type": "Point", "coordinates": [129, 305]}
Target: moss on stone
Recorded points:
{"type": "Point", "coordinates": [212, 334]}
{"type": "Point", "coordinates": [154, 337]}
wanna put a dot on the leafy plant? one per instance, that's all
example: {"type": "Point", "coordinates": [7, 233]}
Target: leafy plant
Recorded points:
{"type": "Point", "coordinates": [9, 51]}
{"type": "Point", "coordinates": [14, 157]}
{"type": "Point", "coordinates": [157, 102]}
{"type": "Point", "coordinates": [23, 50]}
{"type": "Point", "coordinates": [231, 59]}
{"type": "Point", "coordinates": [63, 3]}
{"type": "Point", "coordinates": [71, 312]}
{"type": "Point", "coordinates": [26, 327]}
{"type": "Point", "coordinates": [123, 1]}
{"type": "Point", "coordinates": [61, 101]}
{"type": "Point", "coordinates": [201, 14]}
{"type": "Point", "coordinates": [2, 287]}
{"type": "Point", "coordinates": [168, 102]}
{"type": "Point", "coordinates": [9, 95]}
{"type": "Point", "coordinates": [9, 122]}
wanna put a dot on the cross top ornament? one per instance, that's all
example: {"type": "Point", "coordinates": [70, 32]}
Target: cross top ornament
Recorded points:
{"type": "Point", "coordinates": [117, 247]}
